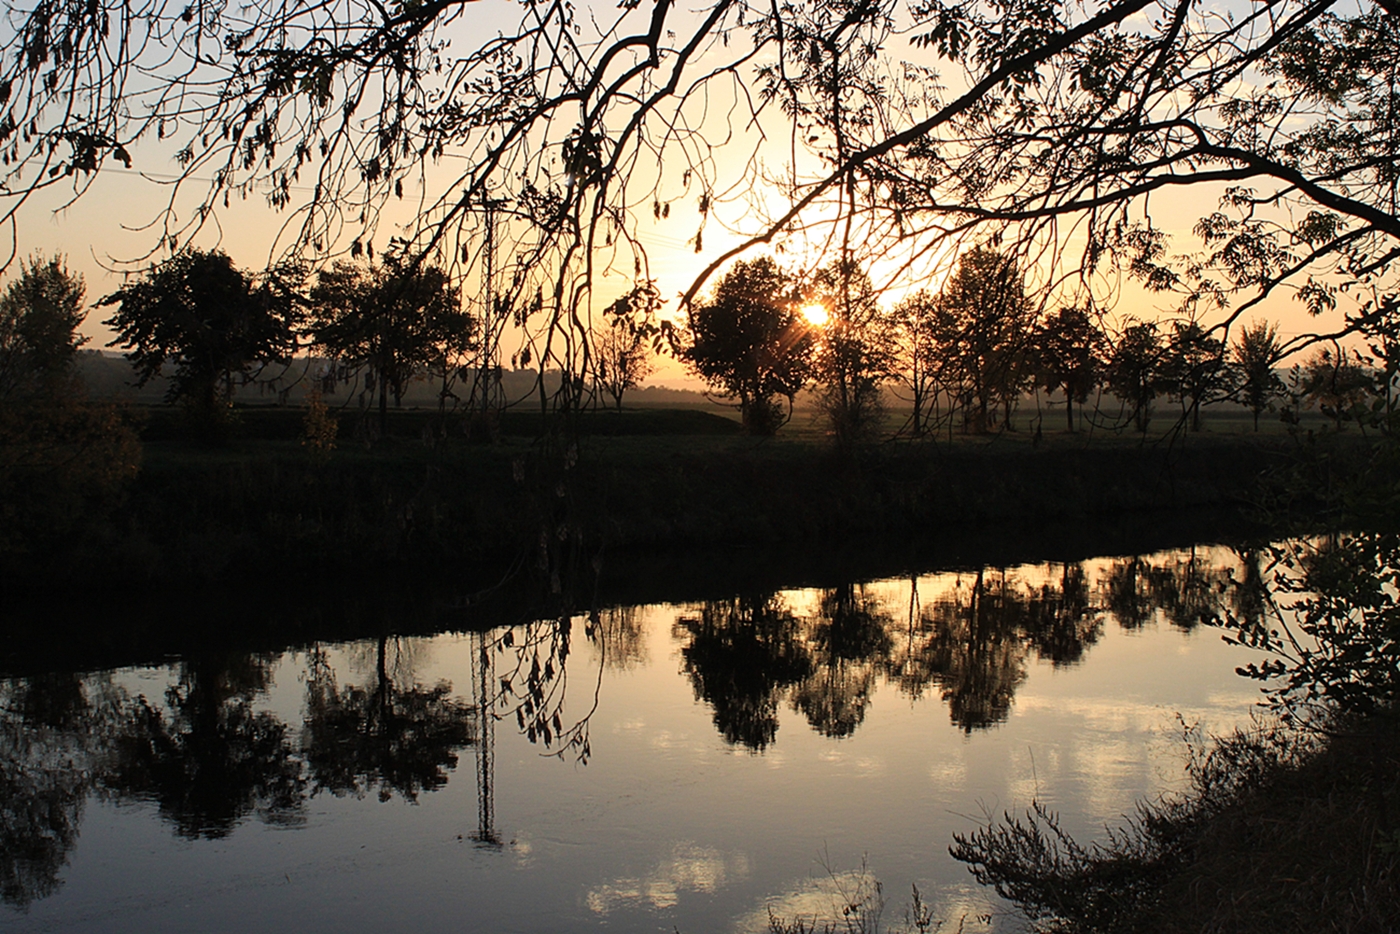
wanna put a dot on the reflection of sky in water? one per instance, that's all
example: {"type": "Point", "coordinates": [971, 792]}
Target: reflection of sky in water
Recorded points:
{"type": "Point", "coordinates": [668, 825]}
{"type": "Point", "coordinates": [687, 869]}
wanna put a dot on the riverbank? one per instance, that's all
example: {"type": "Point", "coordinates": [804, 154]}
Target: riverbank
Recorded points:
{"type": "Point", "coordinates": [1283, 829]}
{"type": "Point", "coordinates": [263, 506]}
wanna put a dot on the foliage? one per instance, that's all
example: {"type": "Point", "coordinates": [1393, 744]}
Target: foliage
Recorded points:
{"type": "Point", "coordinates": [1043, 126]}
{"type": "Point", "coordinates": [917, 362]}
{"type": "Point", "coordinates": [63, 459]}
{"type": "Point", "coordinates": [1194, 369]}
{"type": "Point", "coordinates": [384, 738]}
{"type": "Point", "coordinates": [1255, 354]}
{"type": "Point", "coordinates": [1136, 371]}
{"type": "Point", "coordinates": [624, 345]}
{"type": "Point", "coordinates": [1335, 381]}
{"type": "Point", "coordinates": [319, 428]}
{"type": "Point", "coordinates": [747, 341]}
{"type": "Point", "coordinates": [1069, 349]}
{"type": "Point", "coordinates": [984, 326]}
{"type": "Point", "coordinates": [40, 312]}
{"type": "Point", "coordinates": [1277, 831]}
{"type": "Point", "coordinates": [853, 354]}
{"type": "Point", "coordinates": [1335, 641]}
{"type": "Point", "coordinates": [209, 319]}
{"type": "Point", "coordinates": [391, 320]}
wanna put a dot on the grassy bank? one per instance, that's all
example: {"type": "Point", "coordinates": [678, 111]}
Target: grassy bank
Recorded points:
{"type": "Point", "coordinates": [261, 504]}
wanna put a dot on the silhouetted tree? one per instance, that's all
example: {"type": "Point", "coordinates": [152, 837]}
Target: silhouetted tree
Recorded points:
{"type": "Point", "coordinates": [622, 347]}
{"type": "Point", "coordinates": [209, 319]}
{"type": "Point", "coordinates": [391, 319]}
{"type": "Point", "coordinates": [40, 312]}
{"type": "Point", "coordinates": [1337, 383]}
{"type": "Point", "coordinates": [749, 342]}
{"type": "Point", "coordinates": [1194, 369]}
{"type": "Point", "coordinates": [918, 363]}
{"type": "Point", "coordinates": [985, 329]}
{"type": "Point", "coordinates": [854, 352]}
{"type": "Point", "coordinates": [1255, 354]}
{"type": "Point", "coordinates": [1045, 125]}
{"type": "Point", "coordinates": [1068, 356]}
{"type": "Point", "coordinates": [63, 458]}
{"type": "Point", "coordinates": [1135, 371]}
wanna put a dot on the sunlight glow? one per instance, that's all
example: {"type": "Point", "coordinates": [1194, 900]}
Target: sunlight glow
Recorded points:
{"type": "Point", "coordinates": [816, 315]}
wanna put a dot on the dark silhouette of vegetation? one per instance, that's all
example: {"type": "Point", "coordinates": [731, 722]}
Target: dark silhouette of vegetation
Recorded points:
{"type": "Point", "coordinates": [386, 739]}
{"type": "Point", "coordinates": [389, 321]}
{"type": "Point", "coordinates": [1069, 349]}
{"type": "Point", "coordinates": [48, 728]}
{"type": "Point", "coordinates": [1195, 370]}
{"type": "Point", "coordinates": [1045, 143]}
{"type": "Point", "coordinates": [853, 354]}
{"type": "Point", "coordinates": [985, 328]}
{"type": "Point", "coordinates": [1136, 371]}
{"type": "Point", "coordinates": [1255, 354]}
{"type": "Point", "coordinates": [213, 759]}
{"type": "Point", "coordinates": [209, 320]}
{"type": "Point", "coordinates": [917, 361]}
{"type": "Point", "coordinates": [624, 345]}
{"type": "Point", "coordinates": [748, 342]}
{"type": "Point", "coordinates": [742, 655]}
{"type": "Point", "coordinates": [64, 459]}
{"type": "Point", "coordinates": [1335, 381]}
{"type": "Point", "coordinates": [40, 312]}
{"type": "Point", "coordinates": [1277, 831]}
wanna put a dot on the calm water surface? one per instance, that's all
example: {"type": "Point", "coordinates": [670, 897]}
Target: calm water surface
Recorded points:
{"type": "Point", "coordinates": [652, 768]}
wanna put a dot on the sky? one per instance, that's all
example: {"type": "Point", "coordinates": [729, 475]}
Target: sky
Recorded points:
{"type": "Point", "coordinates": [105, 234]}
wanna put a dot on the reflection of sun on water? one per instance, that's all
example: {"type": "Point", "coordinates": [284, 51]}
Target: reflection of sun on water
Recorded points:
{"type": "Point", "coordinates": [816, 315]}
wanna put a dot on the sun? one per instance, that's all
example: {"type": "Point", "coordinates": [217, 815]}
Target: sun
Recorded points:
{"type": "Point", "coordinates": [816, 315]}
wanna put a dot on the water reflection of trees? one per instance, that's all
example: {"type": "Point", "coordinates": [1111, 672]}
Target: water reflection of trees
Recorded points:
{"type": "Point", "coordinates": [743, 654]}
{"type": "Point", "coordinates": [970, 642]}
{"type": "Point", "coordinates": [847, 640]}
{"type": "Point", "coordinates": [50, 726]}
{"type": "Point", "coordinates": [386, 738]}
{"type": "Point", "coordinates": [206, 753]}
{"type": "Point", "coordinates": [209, 754]}
{"type": "Point", "coordinates": [209, 759]}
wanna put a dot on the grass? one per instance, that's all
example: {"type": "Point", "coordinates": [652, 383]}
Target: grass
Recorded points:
{"type": "Point", "coordinates": [643, 480]}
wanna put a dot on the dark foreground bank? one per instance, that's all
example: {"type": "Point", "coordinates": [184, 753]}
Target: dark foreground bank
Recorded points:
{"type": "Point", "coordinates": [266, 506]}
{"type": "Point", "coordinates": [1283, 829]}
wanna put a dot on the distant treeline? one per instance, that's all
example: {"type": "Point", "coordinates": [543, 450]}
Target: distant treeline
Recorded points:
{"type": "Point", "coordinates": [108, 374]}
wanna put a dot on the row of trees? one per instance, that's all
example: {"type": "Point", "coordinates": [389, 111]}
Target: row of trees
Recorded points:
{"type": "Point", "coordinates": [384, 323]}
{"type": "Point", "coordinates": [908, 131]}
{"type": "Point", "coordinates": [967, 355]}
{"type": "Point", "coordinates": [213, 324]}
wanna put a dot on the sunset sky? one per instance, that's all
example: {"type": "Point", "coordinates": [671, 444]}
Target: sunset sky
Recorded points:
{"type": "Point", "coordinates": [105, 230]}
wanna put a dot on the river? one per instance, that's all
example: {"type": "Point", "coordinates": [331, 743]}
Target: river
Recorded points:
{"type": "Point", "coordinates": [684, 767]}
